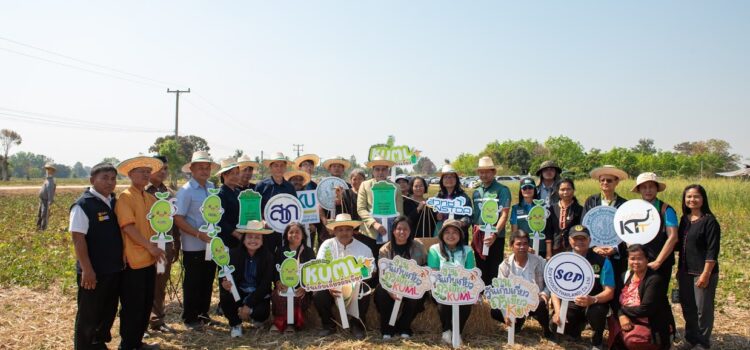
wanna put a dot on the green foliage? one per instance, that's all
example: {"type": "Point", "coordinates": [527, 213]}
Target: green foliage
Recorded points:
{"type": "Point", "coordinates": [175, 159]}
{"type": "Point", "coordinates": [466, 164]}
{"type": "Point", "coordinates": [27, 164]}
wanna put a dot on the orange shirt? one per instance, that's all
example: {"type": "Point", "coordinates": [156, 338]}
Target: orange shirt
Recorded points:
{"type": "Point", "coordinates": [132, 207]}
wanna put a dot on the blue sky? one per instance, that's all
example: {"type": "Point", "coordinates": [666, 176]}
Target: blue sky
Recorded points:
{"type": "Point", "coordinates": [338, 76]}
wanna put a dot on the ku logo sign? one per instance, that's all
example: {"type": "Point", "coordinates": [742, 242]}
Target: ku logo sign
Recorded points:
{"type": "Point", "coordinates": [569, 275]}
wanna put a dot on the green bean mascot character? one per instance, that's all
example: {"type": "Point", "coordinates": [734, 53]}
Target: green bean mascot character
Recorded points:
{"type": "Point", "coordinates": [289, 276]}
{"type": "Point", "coordinates": [220, 255]}
{"type": "Point", "coordinates": [161, 218]}
{"type": "Point", "coordinates": [211, 211]}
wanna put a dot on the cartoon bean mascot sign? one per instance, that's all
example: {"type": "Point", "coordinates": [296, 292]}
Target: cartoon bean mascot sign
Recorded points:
{"type": "Point", "coordinates": [490, 213]}
{"type": "Point", "coordinates": [212, 212]}
{"type": "Point", "coordinates": [289, 276]}
{"type": "Point", "coordinates": [220, 255]}
{"type": "Point", "coordinates": [161, 219]}
{"type": "Point", "coordinates": [537, 219]}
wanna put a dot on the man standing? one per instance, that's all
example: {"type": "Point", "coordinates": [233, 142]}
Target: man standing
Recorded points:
{"type": "Point", "coordinates": [247, 168]}
{"type": "Point", "coordinates": [139, 276]}
{"type": "Point", "coordinates": [199, 273]}
{"type": "Point", "coordinates": [271, 186]}
{"type": "Point", "coordinates": [230, 177]}
{"type": "Point", "coordinates": [380, 169]}
{"type": "Point", "coordinates": [307, 163]}
{"type": "Point", "coordinates": [46, 197]}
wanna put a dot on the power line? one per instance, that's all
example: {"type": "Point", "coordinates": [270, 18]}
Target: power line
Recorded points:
{"type": "Point", "coordinates": [46, 119]}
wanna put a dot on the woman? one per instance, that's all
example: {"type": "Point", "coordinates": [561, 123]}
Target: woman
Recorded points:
{"type": "Point", "coordinates": [563, 215]}
{"type": "Point", "coordinates": [660, 248]}
{"type": "Point", "coordinates": [451, 249]}
{"type": "Point", "coordinates": [549, 175]}
{"type": "Point", "coordinates": [420, 216]}
{"type": "Point", "coordinates": [401, 243]}
{"type": "Point", "coordinates": [253, 274]}
{"type": "Point", "coordinates": [450, 188]}
{"type": "Point", "coordinates": [520, 211]}
{"type": "Point", "coordinates": [644, 312]}
{"type": "Point", "coordinates": [294, 235]}
{"type": "Point", "coordinates": [698, 267]}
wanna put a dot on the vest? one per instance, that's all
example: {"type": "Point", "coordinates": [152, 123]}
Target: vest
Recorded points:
{"type": "Point", "coordinates": [103, 237]}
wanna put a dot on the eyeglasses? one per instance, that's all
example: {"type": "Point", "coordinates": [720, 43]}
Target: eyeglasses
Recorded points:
{"type": "Point", "coordinates": [609, 181]}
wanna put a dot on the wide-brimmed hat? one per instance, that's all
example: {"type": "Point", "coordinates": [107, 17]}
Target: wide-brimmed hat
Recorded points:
{"type": "Point", "coordinates": [124, 167]}
{"type": "Point", "coordinates": [292, 173]}
{"type": "Point", "coordinates": [452, 223]}
{"type": "Point", "coordinates": [200, 157]}
{"type": "Point", "coordinates": [50, 165]}
{"type": "Point", "coordinates": [646, 177]}
{"type": "Point", "coordinates": [305, 157]}
{"type": "Point", "coordinates": [548, 164]}
{"type": "Point", "coordinates": [380, 161]}
{"type": "Point", "coordinates": [338, 160]}
{"type": "Point", "coordinates": [245, 161]}
{"type": "Point", "coordinates": [447, 169]}
{"type": "Point", "coordinates": [609, 170]}
{"type": "Point", "coordinates": [276, 157]}
{"type": "Point", "coordinates": [254, 226]}
{"type": "Point", "coordinates": [343, 219]}
{"type": "Point", "coordinates": [226, 165]}
{"type": "Point", "coordinates": [486, 163]}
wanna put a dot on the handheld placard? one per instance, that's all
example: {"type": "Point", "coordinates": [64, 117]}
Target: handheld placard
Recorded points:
{"type": "Point", "coordinates": [211, 211]}
{"type": "Point", "coordinates": [568, 275]}
{"type": "Point", "coordinates": [161, 219]}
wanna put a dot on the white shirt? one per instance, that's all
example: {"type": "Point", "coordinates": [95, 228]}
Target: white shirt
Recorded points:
{"type": "Point", "coordinates": [338, 250]}
{"type": "Point", "coordinates": [79, 222]}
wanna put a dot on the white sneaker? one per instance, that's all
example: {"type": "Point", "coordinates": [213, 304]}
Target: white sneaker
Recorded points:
{"type": "Point", "coordinates": [236, 331]}
{"type": "Point", "coordinates": [405, 336]}
{"type": "Point", "coordinates": [448, 337]}
{"type": "Point", "coordinates": [387, 337]}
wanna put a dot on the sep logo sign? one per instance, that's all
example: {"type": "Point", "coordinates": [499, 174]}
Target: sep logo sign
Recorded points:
{"type": "Point", "coordinates": [569, 275]}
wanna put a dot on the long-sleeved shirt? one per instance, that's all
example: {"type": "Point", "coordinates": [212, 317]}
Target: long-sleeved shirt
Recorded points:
{"type": "Point", "coordinates": [533, 271]}
{"type": "Point", "coordinates": [47, 192]}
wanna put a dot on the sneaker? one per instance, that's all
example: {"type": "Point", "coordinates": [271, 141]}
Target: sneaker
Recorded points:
{"type": "Point", "coordinates": [236, 331]}
{"type": "Point", "coordinates": [387, 337]}
{"type": "Point", "coordinates": [447, 337]}
{"type": "Point", "coordinates": [274, 329]}
{"type": "Point", "coordinates": [405, 336]}
{"type": "Point", "coordinates": [684, 345]}
{"type": "Point", "coordinates": [164, 329]}
{"type": "Point", "coordinates": [596, 347]}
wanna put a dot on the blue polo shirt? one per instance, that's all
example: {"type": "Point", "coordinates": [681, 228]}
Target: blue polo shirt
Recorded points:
{"type": "Point", "coordinates": [190, 198]}
{"type": "Point", "coordinates": [503, 195]}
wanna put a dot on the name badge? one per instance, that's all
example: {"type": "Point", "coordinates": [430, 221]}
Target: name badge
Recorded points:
{"type": "Point", "coordinates": [103, 216]}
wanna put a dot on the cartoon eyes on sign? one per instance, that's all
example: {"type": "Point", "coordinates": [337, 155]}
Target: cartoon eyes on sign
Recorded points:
{"type": "Point", "coordinates": [220, 253]}
{"type": "Point", "coordinates": [211, 208]}
{"type": "Point", "coordinates": [161, 213]}
{"type": "Point", "coordinates": [289, 270]}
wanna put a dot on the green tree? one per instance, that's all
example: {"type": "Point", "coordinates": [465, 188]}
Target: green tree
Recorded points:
{"type": "Point", "coordinates": [424, 166]}
{"type": "Point", "coordinates": [175, 160]}
{"type": "Point", "coordinates": [111, 160]}
{"type": "Point", "coordinates": [8, 138]}
{"type": "Point", "coordinates": [466, 164]}
{"type": "Point", "coordinates": [644, 146]}
{"type": "Point", "coordinates": [79, 171]}
{"type": "Point", "coordinates": [569, 154]}
{"type": "Point", "coordinates": [27, 164]}
{"type": "Point", "coordinates": [63, 171]}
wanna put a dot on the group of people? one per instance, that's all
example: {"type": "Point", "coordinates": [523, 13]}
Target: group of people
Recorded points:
{"type": "Point", "coordinates": [116, 261]}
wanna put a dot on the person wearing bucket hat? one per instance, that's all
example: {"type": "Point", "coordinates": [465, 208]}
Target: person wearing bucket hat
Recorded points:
{"type": "Point", "coordinates": [230, 178]}
{"type": "Point", "coordinates": [594, 307]}
{"type": "Point", "coordinates": [271, 186]}
{"type": "Point", "coordinates": [172, 251]}
{"type": "Point", "coordinates": [253, 274]}
{"type": "Point", "coordinates": [247, 168]}
{"type": "Point", "coordinates": [380, 169]}
{"type": "Point", "coordinates": [549, 174]}
{"type": "Point", "coordinates": [660, 250]}
{"type": "Point", "coordinates": [450, 188]}
{"type": "Point", "coordinates": [307, 163]}
{"type": "Point", "coordinates": [141, 255]}
{"type": "Point", "coordinates": [519, 212]}
{"type": "Point", "coordinates": [342, 244]}
{"type": "Point", "coordinates": [199, 272]}
{"type": "Point", "coordinates": [46, 197]}
{"type": "Point", "coordinates": [489, 190]}
{"type": "Point", "coordinates": [451, 249]}
{"type": "Point", "coordinates": [97, 240]}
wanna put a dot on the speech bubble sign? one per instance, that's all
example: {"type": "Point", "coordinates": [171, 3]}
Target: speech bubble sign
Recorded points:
{"type": "Point", "coordinates": [281, 210]}
{"type": "Point", "coordinates": [404, 277]}
{"type": "Point", "coordinates": [309, 201]}
{"type": "Point", "coordinates": [456, 285]}
{"type": "Point", "coordinates": [637, 222]}
{"type": "Point", "coordinates": [515, 296]}
{"type": "Point", "coordinates": [326, 191]}
{"type": "Point", "coordinates": [569, 275]}
{"type": "Point", "coordinates": [455, 206]}
{"type": "Point", "coordinates": [600, 222]}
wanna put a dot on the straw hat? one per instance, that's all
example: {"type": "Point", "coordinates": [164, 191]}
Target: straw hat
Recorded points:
{"type": "Point", "coordinates": [226, 165]}
{"type": "Point", "coordinates": [548, 164]}
{"type": "Point", "coordinates": [447, 169]}
{"type": "Point", "coordinates": [305, 157]}
{"type": "Point", "coordinates": [254, 226]}
{"type": "Point", "coordinates": [380, 161]}
{"type": "Point", "coordinates": [276, 157]}
{"type": "Point", "coordinates": [609, 170]}
{"type": "Point", "coordinates": [338, 160]}
{"type": "Point", "coordinates": [646, 177]}
{"type": "Point", "coordinates": [50, 165]}
{"type": "Point", "coordinates": [245, 161]}
{"type": "Point", "coordinates": [343, 219]}
{"type": "Point", "coordinates": [486, 163]}
{"type": "Point", "coordinates": [292, 173]}
{"type": "Point", "coordinates": [124, 167]}
{"type": "Point", "coordinates": [200, 157]}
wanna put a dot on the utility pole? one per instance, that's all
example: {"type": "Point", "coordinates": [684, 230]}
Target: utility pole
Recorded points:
{"type": "Point", "coordinates": [298, 148]}
{"type": "Point", "coordinates": [177, 109]}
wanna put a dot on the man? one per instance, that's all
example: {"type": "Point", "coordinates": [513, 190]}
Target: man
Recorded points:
{"type": "Point", "coordinates": [402, 180]}
{"type": "Point", "coordinates": [247, 168]}
{"type": "Point", "coordinates": [531, 268]}
{"type": "Point", "coordinates": [374, 228]}
{"type": "Point", "coordinates": [342, 244]}
{"type": "Point", "coordinates": [230, 177]}
{"type": "Point", "coordinates": [489, 189]}
{"type": "Point", "coordinates": [172, 251]}
{"type": "Point", "coordinates": [549, 174]}
{"type": "Point", "coordinates": [337, 166]}
{"type": "Point", "coordinates": [307, 163]}
{"type": "Point", "coordinates": [199, 273]}
{"type": "Point", "coordinates": [98, 248]}
{"type": "Point", "coordinates": [299, 179]}
{"type": "Point", "coordinates": [46, 197]}
{"type": "Point", "coordinates": [141, 256]}
{"type": "Point", "coordinates": [591, 308]}
{"type": "Point", "coordinates": [346, 202]}
{"type": "Point", "coordinates": [271, 186]}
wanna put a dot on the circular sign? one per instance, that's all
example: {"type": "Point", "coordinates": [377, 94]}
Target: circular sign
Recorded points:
{"type": "Point", "coordinates": [599, 222]}
{"type": "Point", "coordinates": [327, 191]}
{"type": "Point", "coordinates": [569, 275]}
{"type": "Point", "coordinates": [281, 210]}
{"type": "Point", "coordinates": [637, 222]}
